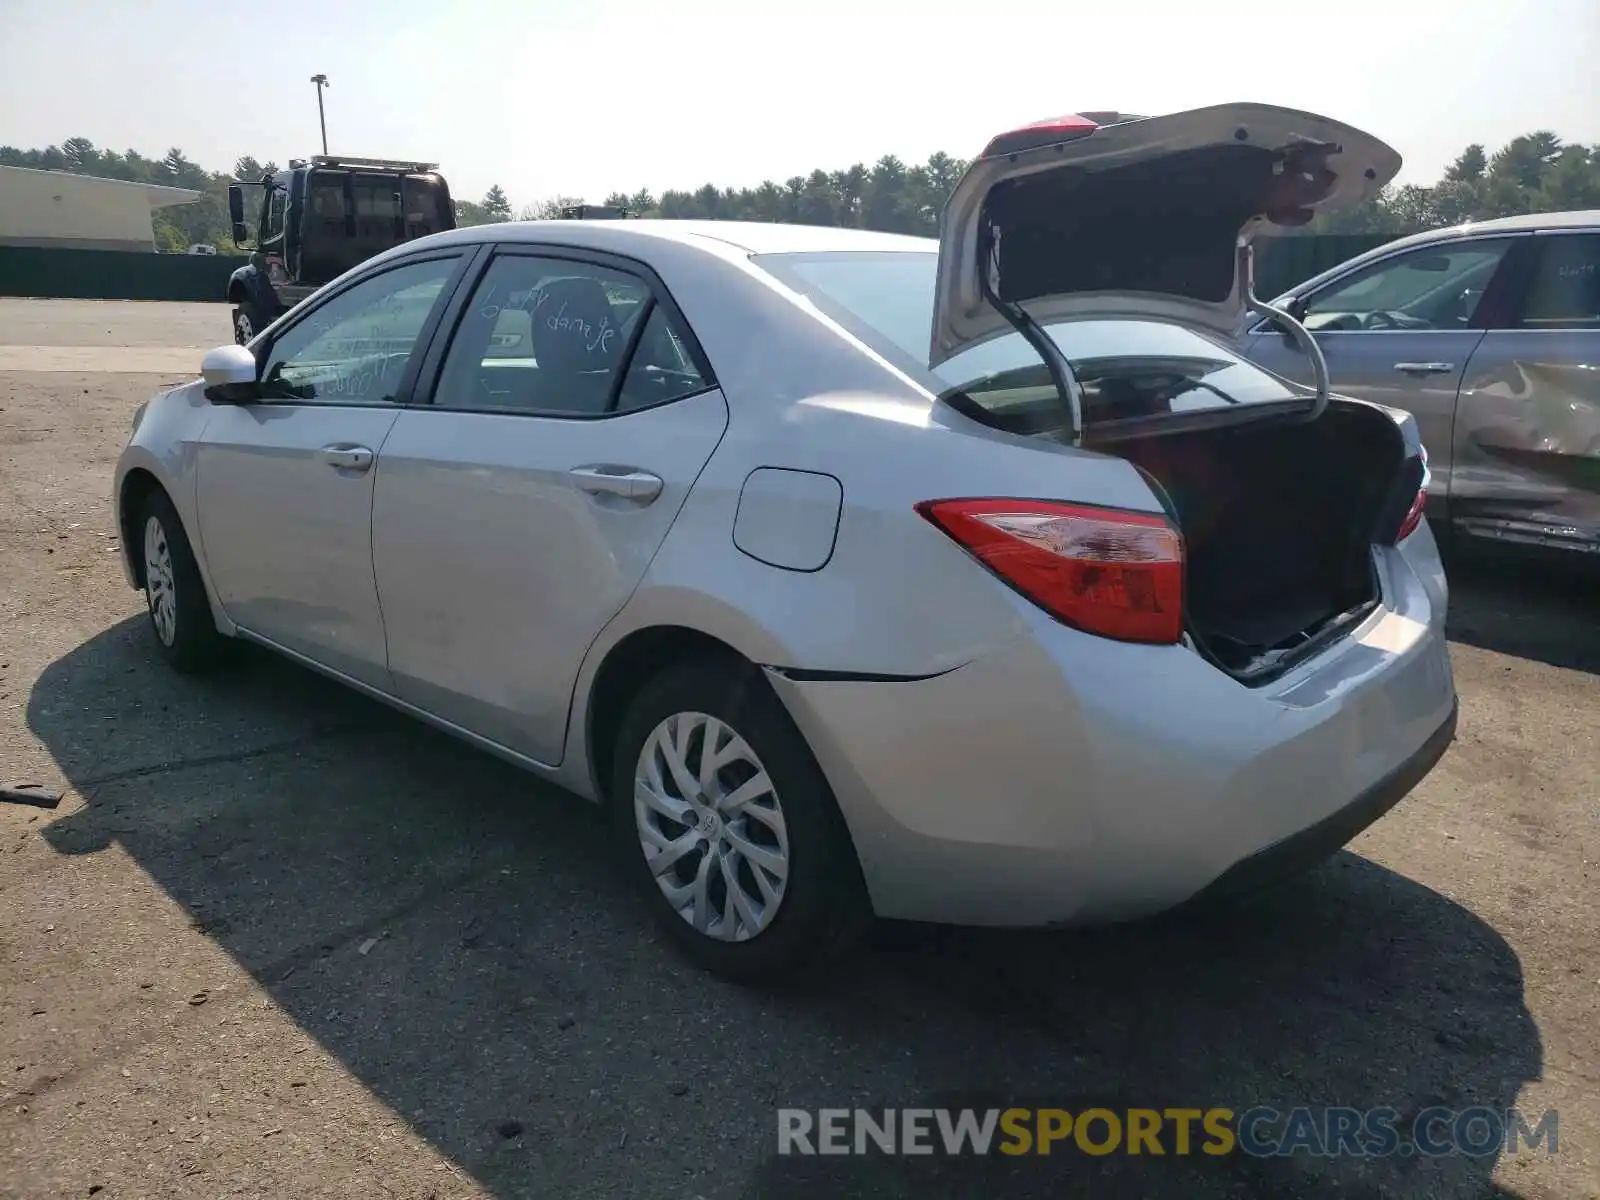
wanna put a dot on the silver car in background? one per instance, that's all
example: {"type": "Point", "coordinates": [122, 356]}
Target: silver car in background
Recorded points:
{"type": "Point", "coordinates": [972, 580]}
{"type": "Point", "coordinates": [1489, 334]}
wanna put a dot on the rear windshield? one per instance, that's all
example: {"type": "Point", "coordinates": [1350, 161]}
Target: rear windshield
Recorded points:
{"type": "Point", "coordinates": [380, 209]}
{"type": "Point", "coordinates": [1127, 369]}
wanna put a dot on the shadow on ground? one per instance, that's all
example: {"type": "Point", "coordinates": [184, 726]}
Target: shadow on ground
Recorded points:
{"type": "Point", "coordinates": [1537, 607]}
{"type": "Point", "coordinates": [514, 981]}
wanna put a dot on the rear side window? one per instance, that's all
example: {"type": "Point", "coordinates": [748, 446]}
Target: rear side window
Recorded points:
{"type": "Point", "coordinates": [1565, 290]}
{"type": "Point", "coordinates": [560, 337]}
{"type": "Point", "coordinates": [1126, 369]}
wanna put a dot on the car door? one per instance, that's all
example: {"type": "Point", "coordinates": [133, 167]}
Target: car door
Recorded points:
{"type": "Point", "coordinates": [516, 513]}
{"type": "Point", "coordinates": [1527, 431]}
{"type": "Point", "coordinates": [1399, 332]}
{"type": "Point", "coordinates": [284, 483]}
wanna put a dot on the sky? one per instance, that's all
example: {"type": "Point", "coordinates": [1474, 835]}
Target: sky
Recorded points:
{"type": "Point", "coordinates": [581, 99]}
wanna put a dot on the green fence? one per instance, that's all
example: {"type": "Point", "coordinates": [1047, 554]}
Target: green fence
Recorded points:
{"type": "Point", "coordinates": [114, 274]}
{"type": "Point", "coordinates": [129, 275]}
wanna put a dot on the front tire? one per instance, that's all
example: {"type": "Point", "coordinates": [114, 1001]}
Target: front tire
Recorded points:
{"type": "Point", "coordinates": [175, 595]}
{"type": "Point", "coordinates": [247, 322]}
{"type": "Point", "coordinates": [729, 828]}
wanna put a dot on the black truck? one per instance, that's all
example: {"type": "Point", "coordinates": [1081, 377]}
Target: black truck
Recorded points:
{"type": "Point", "coordinates": [319, 218]}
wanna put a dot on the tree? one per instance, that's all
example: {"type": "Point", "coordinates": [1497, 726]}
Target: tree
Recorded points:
{"type": "Point", "coordinates": [1573, 181]}
{"type": "Point", "coordinates": [80, 154]}
{"type": "Point", "coordinates": [248, 169]}
{"type": "Point", "coordinates": [495, 205]}
{"type": "Point", "coordinates": [548, 210]}
{"type": "Point", "coordinates": [1469, 167]}
{"type": "Point", "coordinates": [176, 163]}
{"type": "Point", "coordinates": [884, 205]}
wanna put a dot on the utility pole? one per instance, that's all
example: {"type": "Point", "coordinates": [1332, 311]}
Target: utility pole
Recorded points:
{"type": "Point", "coordinates": [321, 81]}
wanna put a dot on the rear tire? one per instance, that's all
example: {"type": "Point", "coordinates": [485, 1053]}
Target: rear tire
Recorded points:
{"type": "Point", "coordinates": [763, 873]}
{"type": "Point", "coordinates": [175, 595]}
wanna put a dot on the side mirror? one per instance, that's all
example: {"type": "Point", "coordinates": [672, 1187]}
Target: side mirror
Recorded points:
{"type": "Point", "coordinates": [1296, 308]}
{"type": "Point", "coordinates": [241, 230]}
{"type": "Point", "coordinates": [230, 375]}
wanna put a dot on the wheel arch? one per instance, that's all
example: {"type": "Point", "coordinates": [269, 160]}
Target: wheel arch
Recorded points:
{"type": "Point", "coordinates": [247, 285]}
{"type": "Point", "coordinates": [138, 484]}
{"type": "Point", "coordinates": [635, 658]}
{"type": "Point", "coordinates": [143, 475]}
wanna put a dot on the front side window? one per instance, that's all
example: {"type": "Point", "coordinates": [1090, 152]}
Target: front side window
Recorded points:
{"type": "Point", "coordinates": [353, 348]}
{"type": "Point", "coordinates": [1433, 287]}
{"type": "Point", "coordinates": [552, 336]}
{"type": "Point", "coordinates": [277, 206]}
{"type": "Point", "coordinates": [1126, 369]}
{"type": "Point", "coordinates": [1565, 290]}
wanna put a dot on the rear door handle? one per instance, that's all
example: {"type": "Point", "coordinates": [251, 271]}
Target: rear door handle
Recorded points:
{"type": "Point", "coordinates": [346, 457]}
{"type": "Point", "coordinates": [617, 481]}
{"type": "Point", "coordinates": [1425, 368]}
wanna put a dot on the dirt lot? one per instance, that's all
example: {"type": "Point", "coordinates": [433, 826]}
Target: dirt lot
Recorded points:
{"type": "Point", "coordinates": [278, 941]}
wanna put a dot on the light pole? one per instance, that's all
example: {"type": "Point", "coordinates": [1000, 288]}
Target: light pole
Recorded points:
{"type": "Point", "coordinates": [321, 81]}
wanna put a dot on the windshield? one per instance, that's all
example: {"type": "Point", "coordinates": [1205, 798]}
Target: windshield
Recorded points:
{"type": "Point", "coordinates": [1127, 369]}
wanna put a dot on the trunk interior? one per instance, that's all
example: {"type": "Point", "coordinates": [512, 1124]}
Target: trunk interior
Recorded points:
{"type": "Point", "coordinates": [1278, 521]}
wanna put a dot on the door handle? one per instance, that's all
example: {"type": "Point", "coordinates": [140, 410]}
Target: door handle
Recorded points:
{"type": "Point", "coordinates": [349, 458]}
{"type": "Point", "coordinates": [1425, 368]}
{"type": "Point", "coordinates": [616, 481]}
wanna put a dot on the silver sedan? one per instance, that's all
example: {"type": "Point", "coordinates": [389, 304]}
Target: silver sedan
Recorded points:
{"type": "Point", "coordinates": [971, 580]}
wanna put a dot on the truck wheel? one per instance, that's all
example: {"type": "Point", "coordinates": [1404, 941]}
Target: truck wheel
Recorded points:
{"type": "Point", "coordinates": [247, 322]}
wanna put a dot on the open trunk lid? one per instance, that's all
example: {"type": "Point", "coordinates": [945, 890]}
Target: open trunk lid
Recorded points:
{"type": "Point", "coordinates": [1101, 215]}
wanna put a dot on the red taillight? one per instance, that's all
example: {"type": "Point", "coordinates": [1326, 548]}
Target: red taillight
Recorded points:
{"type": "Point", "coordinates": [1413, 515]}
{"type": "Point", "coordinates": [1419, 505]}
{"type": "Point", "coordinates": [1113, 573]}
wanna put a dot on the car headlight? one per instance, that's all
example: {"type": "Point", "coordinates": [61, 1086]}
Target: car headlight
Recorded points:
{"type": "Point", "coordinates": [138, 416]}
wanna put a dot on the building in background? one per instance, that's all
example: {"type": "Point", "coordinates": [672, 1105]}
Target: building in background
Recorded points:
{"type": "Point", "coordinates": [80, 212]}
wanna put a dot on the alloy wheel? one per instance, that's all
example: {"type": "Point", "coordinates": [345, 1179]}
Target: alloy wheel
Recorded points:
{"type": "Point", "coordinates": [158, 581]}
{"type": "Point", "coordinates": [711, 827]}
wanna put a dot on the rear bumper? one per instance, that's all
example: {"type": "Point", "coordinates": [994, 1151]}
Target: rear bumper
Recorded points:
{"type": "Point", "coordinates": [1065, 779]}
{"type": "Point", "coordinates": [1300, 851]}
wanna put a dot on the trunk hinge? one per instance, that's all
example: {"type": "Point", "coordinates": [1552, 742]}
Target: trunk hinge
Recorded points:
{"type": "Point", "coordinates": [1061, 374]}
{"type": "Point", "coordinates": [1285, 320]}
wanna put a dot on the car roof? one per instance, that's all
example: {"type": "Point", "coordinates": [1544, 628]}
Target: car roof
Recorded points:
{"type": "Point", "coordinates": [751, 237]}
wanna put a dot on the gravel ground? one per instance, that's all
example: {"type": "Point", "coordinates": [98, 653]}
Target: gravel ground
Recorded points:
{"type": "Point", "coordinates": [279, 941]}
